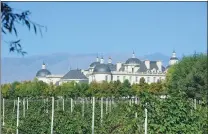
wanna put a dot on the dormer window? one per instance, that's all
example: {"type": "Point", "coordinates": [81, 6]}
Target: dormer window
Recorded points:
{"type": "Point", "coordinates": [148, 71]}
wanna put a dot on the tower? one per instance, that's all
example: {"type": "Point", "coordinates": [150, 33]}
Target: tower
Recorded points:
{"type": "Point", "coordinates": [133, 55]}
{"type": "Point", "coordinates": [97, 58]}
{"type": "Point", "coordinates": [101, 60]}
{"type": "Point", "coordinates": [173, 59]}
{"type": "Point", "coordinates": [43, 66]}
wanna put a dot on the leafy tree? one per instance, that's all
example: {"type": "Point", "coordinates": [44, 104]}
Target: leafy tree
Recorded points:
{"type": "Point", "coordinates": [5, 90]}
{"type": "Point", "coordinates": [142, 80]}
{"type": "Point", "coordinates": [9, 20]}
{"type": "Point", "coordinates": [189, 77]}
{"type": "Point", "coordinates": [125, 89]}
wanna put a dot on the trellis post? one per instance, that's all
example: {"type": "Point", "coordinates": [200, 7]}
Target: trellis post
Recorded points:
{"type": "Point", "coordinates": [52, 115]}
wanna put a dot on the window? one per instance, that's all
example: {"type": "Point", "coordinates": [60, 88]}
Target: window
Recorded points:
{"type": "Point", "coordinates": [117, 77]}
{"type": "Point", "coordinates": [132, 70]}
{"type": "Point", "coordinates": [106, 78]}
{"type": "Point", "coordinates": [148, 79]}
{"type": "Point", "coordinates": [136, 79]}
{"type": "Point", "coordinates": [130, 78]}
{"type": "Point", "coordinates": [124, 77]}
{"type": "Point", "coordinates": [154, 79]}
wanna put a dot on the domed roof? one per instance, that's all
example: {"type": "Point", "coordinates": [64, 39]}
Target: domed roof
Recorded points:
{"type": "Point", "coordinates": [133, 61]}
{"type": "Point", "coordinates": [102, 68]}
{"type": "Point", "coordinates": [43, 73]}
{"type": "Point", "coordinates": [94, 64]}
{"type": "Point", "coordinates": [173, 58]}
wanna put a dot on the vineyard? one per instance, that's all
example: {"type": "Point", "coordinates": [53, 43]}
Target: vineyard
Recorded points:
{"type": "Point", "coordinates": [101, 115]}
{"type": "Point", "coordinates": [175, 106]}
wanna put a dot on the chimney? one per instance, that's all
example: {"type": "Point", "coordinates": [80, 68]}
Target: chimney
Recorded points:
{"type": "Point", "coordinates": [109, 60]}
{"type": "Point", "coordinates": [43, 66]}
{"type": "Point", "coordinates": [118, 66]}
{"type": "Point", "coordinates": [147, 64]}
{"type": "Point", "coordinates": [159, 65]}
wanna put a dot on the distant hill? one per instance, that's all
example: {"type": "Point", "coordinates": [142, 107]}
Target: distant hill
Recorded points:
{"type": "Point", "coordinates": [25, 68]}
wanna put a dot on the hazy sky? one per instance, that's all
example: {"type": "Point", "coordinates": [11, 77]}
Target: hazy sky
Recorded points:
{"type": "Point", "coordinates": [108, 27]}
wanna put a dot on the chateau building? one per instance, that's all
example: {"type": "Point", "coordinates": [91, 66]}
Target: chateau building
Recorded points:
{"type": "Point", "coordinates": [133, 69]}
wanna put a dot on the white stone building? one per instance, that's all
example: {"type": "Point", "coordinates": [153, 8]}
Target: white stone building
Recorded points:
{"type": "Point", "coordinates": [132, 70]}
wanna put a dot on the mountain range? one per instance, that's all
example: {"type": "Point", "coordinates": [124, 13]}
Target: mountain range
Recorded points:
{"type": "Point", "coordinates": [25, 68]}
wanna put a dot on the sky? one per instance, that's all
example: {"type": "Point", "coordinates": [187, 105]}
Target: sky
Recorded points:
{"type": "Point", "coordinates": [112, 27]}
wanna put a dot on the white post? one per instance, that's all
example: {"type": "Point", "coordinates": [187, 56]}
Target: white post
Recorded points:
{"type": "Point", "coordinates": [136, 105]}
{"type": "Point", "coordinates": [194, 103]}
{"type": "Point", "coordinates": [93, 114]}
{"type": "Point", "coordinates": [52, 115]}
{"type": "Point", "coordinates": [71, 105]}
{"type": "Point", "coordinates": [3, 113]}
{"type": "Point", "coordinates": [145, 129]}
{"type": "Point", "coordinates": [23, 107]}
{"type": "Point", "coordinates": [27, 103]}
{"type": "Point", "coordinates": [106, 108]}
{"type": "Point", "coordinates": [63, 103]}
{"type": "Point", "coordinates": [17, 131]}
{"type": "Point", "coordinates": [47, 105]}
{"type": "Point", "coordinates": [101, 110]}
{"type": "Point", "coordinates": [83, 101]}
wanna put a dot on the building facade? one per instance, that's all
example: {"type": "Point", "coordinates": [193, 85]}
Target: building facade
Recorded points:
{"type": "Point", "coordinates": [133, 69]}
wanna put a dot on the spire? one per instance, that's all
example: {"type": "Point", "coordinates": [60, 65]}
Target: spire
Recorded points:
{"type": "Point", "coordinates": [133, 55]}
{"type": "Point", "coordinates": [173, 50]}
{"type": "Point", "coordinates": [43, 65]}
{"type": "Point", "coordinates": [109, 60]}
{"type": "Point", "coordinates": [97, 58]}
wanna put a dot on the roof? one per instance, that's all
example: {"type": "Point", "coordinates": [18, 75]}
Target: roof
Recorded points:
{"type": "Point", "coordinates": [43, 73]}
{"type": "Point", "coordinates": [153, 64]}
{"type": "Point", "coordinates": [74, 74]}
{"type": "Point", "coordinates": [163, 68]}
{"type": "Point", "coordinates": [168, 67]}
{"type": "Point", "coordinates": [102, 68]}
{"type": "Point", "coordinates": [122, 68]}
{"type": "Point", "coordinates": [142, 67]}
{"type": "Point", "coordinates": [133, 61]}
{"type": "Point", "coordinates": [173, 58]}
{"type": "Point", "coordinates": [112, 67]}
{"type": "Point", "coordinates": [94, 64]}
